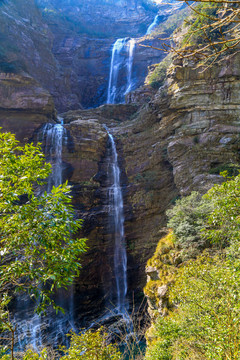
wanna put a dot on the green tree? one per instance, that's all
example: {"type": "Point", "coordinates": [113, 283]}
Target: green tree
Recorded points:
{"type": "Point", "coordinates": [224, 221]}
{"type": "Point", "coordinates": [38, 249]}
{"type": "Point", "coordinates": [91, 345]}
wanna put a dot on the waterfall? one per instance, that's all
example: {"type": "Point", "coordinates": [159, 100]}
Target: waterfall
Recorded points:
{"type": "Point", "coordinates": [131, 44]}
{"type": "Point", "coordinates": [30, 325]}
{"type": "Point", "coordinates": [116, 212]}
{"type": "Point", "coordinates": [115, 64]}
{"type": "Point", "coordinates": [27, 331]}
{"type": "Point", "coordinates": [116, 88]}
{"type": "Point", "coordinates": [54, 136]}
{"type": "Point", "coordinates": [152, 25]}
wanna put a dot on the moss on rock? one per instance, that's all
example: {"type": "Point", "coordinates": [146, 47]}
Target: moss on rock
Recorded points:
{"type": "Point", "coordinates": [161, 270]}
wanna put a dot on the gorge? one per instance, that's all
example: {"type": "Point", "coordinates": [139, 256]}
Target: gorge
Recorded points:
{"type": "Point", "coordinates": [73, 78]}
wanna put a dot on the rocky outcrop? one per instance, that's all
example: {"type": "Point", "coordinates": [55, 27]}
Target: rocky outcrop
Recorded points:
{"type": "Point", "coordinates": [67, 47]}
{"type": "Point", "coordinates": [141, 96]}
{"type": "Point", "coordinates": [160, 272]}
{"type": "Point", "coordinates": [170, 146]}
{"type": "Point", "coordinates": [21, 93]}
{"type": "Point", "coordinates": [26, 46]}
{"type": "Point", "coordinates": [205, 124]}
{"type": "Point", "coordinates": [111, 115]}
{"type": "Point", "coordinates": [24, 105]}
{"type": "Point", "coordinates": [121, 18]}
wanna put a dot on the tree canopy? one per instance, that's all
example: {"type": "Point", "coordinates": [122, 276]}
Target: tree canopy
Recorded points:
{"type": "Point", "coordinates": [39, 250]}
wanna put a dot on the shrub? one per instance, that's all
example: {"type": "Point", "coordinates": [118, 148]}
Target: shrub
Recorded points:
{"type": "Point", "coordinates": [91, 345]}
{"type": "Point", "coordinates": [187, 219]}
{"type": "Point", "coordinates": [157, 77]}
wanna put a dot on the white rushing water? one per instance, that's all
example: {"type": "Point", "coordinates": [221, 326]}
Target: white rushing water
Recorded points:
{"type": "Point", "coordinates": [116, 209]}
{"type": "Point", "coordinates": [152, 25]}
{"type": "Point", "coordinates": [54, 136]}
{"type": "Point", "coordinates": [28, 331]}
{"type": "Point", "coordinates": [131, 47]}
{"type": "Point", "coordinates": [117, 89]}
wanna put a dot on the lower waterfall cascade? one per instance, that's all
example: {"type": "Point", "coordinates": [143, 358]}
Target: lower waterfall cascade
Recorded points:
{"type": "Point", "coordinates": [117, 214]}
{"type": "Point", "coordinates": [34, 329]}
{"type": "Point", "coordinates": [54, 137]}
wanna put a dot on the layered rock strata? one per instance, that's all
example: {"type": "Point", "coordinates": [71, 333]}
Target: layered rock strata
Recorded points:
{"type": "Point", "coordinates": [67, 48]}
{"type": "Point", "coordinates": [174, 144]}
{"type": "Point", "coordinates": [24, 106]}
{"type": "Point", "coordinates": [199, 118]}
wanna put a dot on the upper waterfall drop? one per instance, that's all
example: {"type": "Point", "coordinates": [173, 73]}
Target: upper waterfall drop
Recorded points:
{"type": "Point", "coordinates": [114, 69]}
{"type": "Point", "coordinates": [152, 25]}
{"type": "Point", "coordinates": [116, 87]}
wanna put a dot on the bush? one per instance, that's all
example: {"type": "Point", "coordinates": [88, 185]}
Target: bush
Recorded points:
{"type": "Point", "coordinates": [157, 77]}
{"type": "Point", "coordinates": [205, 293]}
{"type": "Point", "coordinates": [188, 218]}
{"type": "Point", "coordinates": [232, 169]}
{"type": "Point", "coordinates": [206, 324]}
{"type": "Point", "coordinates": [91, 345]}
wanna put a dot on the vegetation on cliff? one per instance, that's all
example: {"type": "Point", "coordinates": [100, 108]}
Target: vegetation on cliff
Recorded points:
{"type": "Point", "coordinates": [204, 32]}
{"type": "Point", "coordinates": [212, 32]}
{"type": "Point", "coordinates": [158, 73]}
{"type": "Point", "coordinates": [203, 299]}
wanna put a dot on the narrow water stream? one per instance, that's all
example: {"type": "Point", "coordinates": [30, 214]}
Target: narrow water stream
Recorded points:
{"type": "Point", "coordinates": [153, 25]}
{"type": "Point", "coordinates": [117, 214]}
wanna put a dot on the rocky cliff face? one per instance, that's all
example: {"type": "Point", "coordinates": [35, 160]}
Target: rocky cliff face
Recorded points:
{"type": "Point", "coordinates": [24, 106]}
{"type": "Point", "coordinates": [176, 143]}
{"type": "Point", "coordinates": [67, 47]}
{"type": "Point", "coordinates": [203, 123]}
{"type": "Point", "coordinates": [171, 145]}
